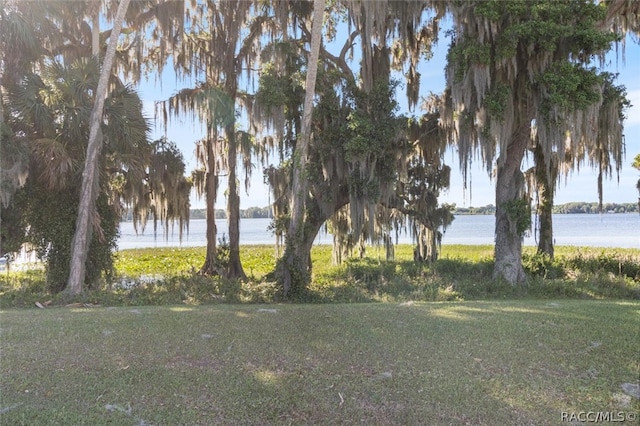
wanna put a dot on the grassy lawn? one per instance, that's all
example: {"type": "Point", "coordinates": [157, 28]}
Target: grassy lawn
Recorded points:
{"type": "Point", "coordinates": [514, 362]}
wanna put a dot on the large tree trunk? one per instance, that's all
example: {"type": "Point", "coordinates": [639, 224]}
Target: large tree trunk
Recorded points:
{"type": "Point", "coordinates": [89, 188]}
{"type": "Point", "coordinates": [210, 266]}
{"type": "Point", "coordinates": [311, 230]}
{"type": "Point", "coordinates": [509, 186]}
{"type": "Point", "coordinates": [294, 267]}
{"type": "Point", "coordinates": [426, 249]}
{"type": "Point", "coordinates": [545, 217]}
{"type": "Point", "coordinates": [234, 270]}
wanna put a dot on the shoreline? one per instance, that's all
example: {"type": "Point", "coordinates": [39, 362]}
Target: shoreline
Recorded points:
{"type": "Point", "coordinates": [447, 247]}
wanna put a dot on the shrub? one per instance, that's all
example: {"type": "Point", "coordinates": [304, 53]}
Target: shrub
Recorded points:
{"type": "Point", "coordinates": [541, 265]}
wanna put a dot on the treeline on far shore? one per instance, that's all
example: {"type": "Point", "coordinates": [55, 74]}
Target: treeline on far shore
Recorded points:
{"type": "Point", "coordinates": [568, 208]}
{"type": "Point", "coordinates": [250, 213]}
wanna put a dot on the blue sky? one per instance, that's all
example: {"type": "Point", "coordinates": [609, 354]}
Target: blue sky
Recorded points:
{"type": "Point", "coordinates": [580, 186]}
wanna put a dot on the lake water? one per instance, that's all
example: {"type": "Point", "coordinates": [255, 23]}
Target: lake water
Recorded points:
{"type": "Point", "coordinates": [606, 230]}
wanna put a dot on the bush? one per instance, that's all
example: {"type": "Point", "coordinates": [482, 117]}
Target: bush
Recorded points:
{"type": "Point", "coordinates": [541, 265]}
{"type": "Point", "coordinates": [611, 262]}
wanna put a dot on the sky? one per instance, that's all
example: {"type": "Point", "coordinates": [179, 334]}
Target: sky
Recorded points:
{"type": "Point", "coordinates": [579, 186]}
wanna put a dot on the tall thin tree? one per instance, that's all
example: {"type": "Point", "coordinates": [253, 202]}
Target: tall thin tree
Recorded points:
{"type": "Point", "coordinates": [82, 236]}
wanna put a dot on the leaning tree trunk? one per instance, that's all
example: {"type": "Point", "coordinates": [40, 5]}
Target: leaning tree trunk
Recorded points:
{"type": "Point", "coordinates": [509, 185]}
{"type": "Point", "coordinates": [210, 266]}
{"type": "Point", "coordinates": [234, 270]}
{"type": "Point", "coordinates": [89, 188]}
{"type": "Point", "coordinates": [295, 267]}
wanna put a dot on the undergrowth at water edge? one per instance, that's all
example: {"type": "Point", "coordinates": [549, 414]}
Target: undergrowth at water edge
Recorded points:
{"type": "Point", "coordinates": [168, 276]}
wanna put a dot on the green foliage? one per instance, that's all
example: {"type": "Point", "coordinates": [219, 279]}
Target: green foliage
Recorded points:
{"type": "Point", "coordinates": [496, 101]}
{"type": "Point", "coordinates": [468, 52]}
{"type": "Point", "coordinates": [372, 127]}
{"type": "Point", "coordinates": [23, 288]}
{"type": "Point", "coordinates": [14, 226]}
{"type": "Point", "coordinates": [372, 122]}
{"type": "Point", "coordinates": [543, 24]}
{"type": "Point", "coordinates": [51, 233]}
{"type": "Point", "coordinates": [488, 209]}
{"type": "Point", "coordinates": [274, 88]}
{"type": "Point", "coordinates": [541, 265]}
{"type": "Point", "coordinates": [281, 86]}
{"type": "Point", "coordinates": [362, 187]}
{"type": "Point", "coordinates": [605, 262]}
{"type": "Point", "coordinates": [570, 86]}
{"type": "Point", "coordinates": [594, 208]}
{"type": "Point", "coordinates": [223, 253]}
{"type": "Point", "coordinates": [567, 208]}
{"type": "Point", "coordinates": [50, 111]}
{"type": "Point", "coordinates": [519, 213]}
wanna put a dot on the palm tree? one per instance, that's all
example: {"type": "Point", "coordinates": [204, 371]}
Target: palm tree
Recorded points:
{"type": "Point", "coordinates": [46, 114]}
{"type": "Point", "coordinates": [218, 49]}
{"type": "Point", "coordinates": [52, 111]}
{"type": "Point", "coordinates": [23, 45]}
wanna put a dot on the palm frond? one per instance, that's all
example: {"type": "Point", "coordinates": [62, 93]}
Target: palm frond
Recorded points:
{"type": "Point", "coordinates": [53, 163]}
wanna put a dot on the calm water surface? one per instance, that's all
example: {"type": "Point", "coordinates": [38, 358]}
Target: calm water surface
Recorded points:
{"type": "Point", "coordinates": [606, 230]}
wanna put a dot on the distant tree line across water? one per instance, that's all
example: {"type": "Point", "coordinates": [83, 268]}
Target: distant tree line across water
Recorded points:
{"type": "Point", "coordinates": [250, 213]}
{"type": "Point", "coordinates": [593, 208]}
{"type": "Point", "coordinates": [567, 208]}
{"type": "Point", "coordinates": [195, 214]}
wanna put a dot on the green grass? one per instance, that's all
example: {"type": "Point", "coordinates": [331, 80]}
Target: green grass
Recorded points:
{"type": "Point", "coordinates": [167, 276]}
{"type": "Point", "coordinates": [477, 363]}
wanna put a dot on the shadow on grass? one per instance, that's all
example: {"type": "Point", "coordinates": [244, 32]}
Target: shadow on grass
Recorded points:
{"type": "Point", "coordinates": [514, 362]}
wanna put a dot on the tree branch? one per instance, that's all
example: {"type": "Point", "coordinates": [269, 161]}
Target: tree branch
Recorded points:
{"type": "Point", "coordinates": [338, 61]}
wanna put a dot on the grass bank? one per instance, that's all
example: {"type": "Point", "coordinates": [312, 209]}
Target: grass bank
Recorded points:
{"type": "Point", "coordinates": [167, 276]}
{"type": "Point", "coordinates": [520, 362]}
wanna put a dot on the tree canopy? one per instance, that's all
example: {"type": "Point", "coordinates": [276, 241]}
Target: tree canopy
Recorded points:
{"type": "Point", "coordinates": [311, 91]}
{"type": "Point", "coordinates": [516, 66]}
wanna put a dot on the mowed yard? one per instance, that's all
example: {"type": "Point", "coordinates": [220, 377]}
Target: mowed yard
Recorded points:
{"type": "Point", "coordinates": [481, 362]}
